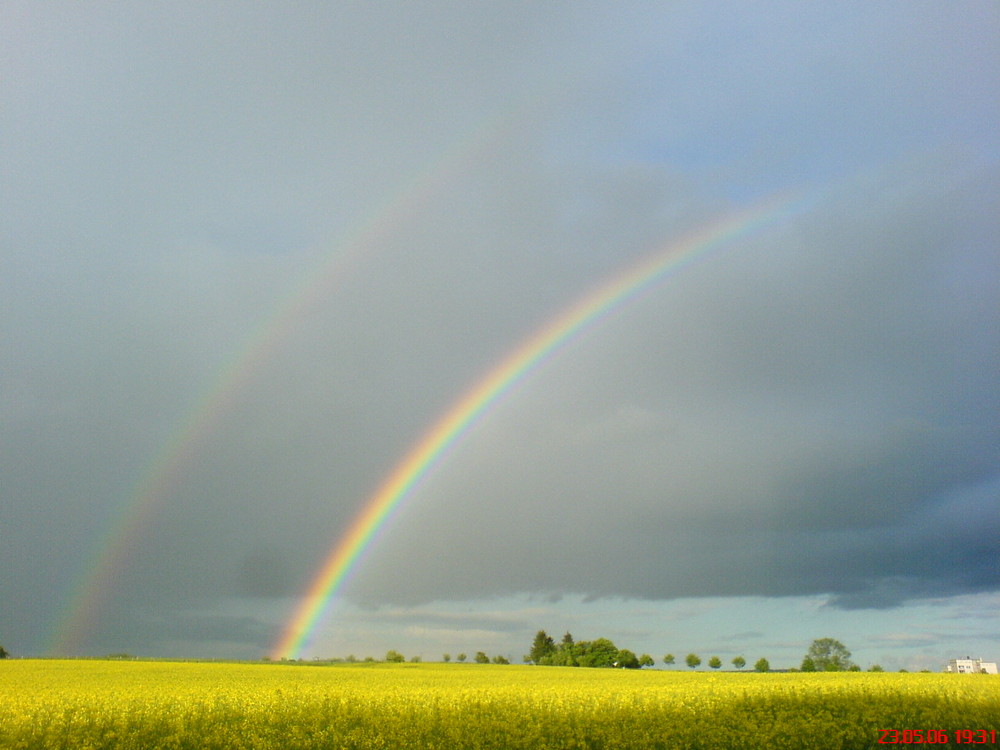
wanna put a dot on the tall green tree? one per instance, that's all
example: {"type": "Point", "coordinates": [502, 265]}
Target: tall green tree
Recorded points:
{"type": "Point", "coordinates": [715, 662]}
{"type": "Point", "coordinates": [542, 646]}
{"type": "Point", "coordinates": [599, 652]}
{"type": "Point", "coordinates": [692, 660]}
{"type": "Point", "coordinates": [828, 655]}
{"type": "Point", "coordinates": [482, 658]}
{"type": "Point", "coordinates": [739, 662]}
{"type": "Point", "coordinates": [392, 655]}
{"type": "Point", "coordinates": [668, 659]}
{"type": "Point", "coordinates": [762, 665]}
{"type": "Point", "coordinates": [626, 659]}
{"type": "Point", "coordinates": [646, 661]}
{"type": "Point", "coordinates": [4, 653]}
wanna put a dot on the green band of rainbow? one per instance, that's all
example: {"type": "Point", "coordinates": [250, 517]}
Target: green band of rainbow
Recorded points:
{"type": "Point", "coordinates": [449, 428]}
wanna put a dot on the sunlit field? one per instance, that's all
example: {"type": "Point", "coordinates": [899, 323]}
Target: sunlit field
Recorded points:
{"type": "Point", "coordinates": [108, 704]}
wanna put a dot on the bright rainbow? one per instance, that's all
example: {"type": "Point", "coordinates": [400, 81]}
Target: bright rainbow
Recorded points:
{"type": "Point", "coordinates": [476, 401]}
{"type": "Point", "coordinates": [101, 572]}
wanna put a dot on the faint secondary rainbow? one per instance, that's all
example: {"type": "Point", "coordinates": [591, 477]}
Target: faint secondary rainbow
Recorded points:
{"type": "Point", "coordinates": [485, 393]}
{"type": "Point", "coordinates": [104, 569]}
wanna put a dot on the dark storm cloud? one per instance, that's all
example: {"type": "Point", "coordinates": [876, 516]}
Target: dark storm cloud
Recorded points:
{"type": "Point", "coordinates": [497, 622]}
{"type": "Point", "coordinates": [203, 629]}
{"type": "Point", "coordinates": [262, 572]}
{"type": "Point", "coordinates": [174, 633]}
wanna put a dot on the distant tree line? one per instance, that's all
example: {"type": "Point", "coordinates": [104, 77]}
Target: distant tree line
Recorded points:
{"type": "Point", "coordinates": [694, 661]}
{"type": "Point", "coordinates": [824, 655]}
{"type": "Point", "coordinates": [600, 652]}
{"type": "Point", "coordinates": [480, 658]}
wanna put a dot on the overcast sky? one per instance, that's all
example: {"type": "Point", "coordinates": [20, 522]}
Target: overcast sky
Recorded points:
{"type": "Point", "coordinates": [260, 249]}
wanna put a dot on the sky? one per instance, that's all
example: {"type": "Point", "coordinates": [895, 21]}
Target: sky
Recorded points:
{"type": "Point", "coordinates": [251, 254]}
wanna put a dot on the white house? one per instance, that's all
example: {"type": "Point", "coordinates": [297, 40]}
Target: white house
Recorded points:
{"type": "Point", "coordinates": [972, 666]}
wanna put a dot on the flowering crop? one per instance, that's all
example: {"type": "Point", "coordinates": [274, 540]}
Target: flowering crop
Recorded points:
{"type": "Point", "coordinates": [141, 705]}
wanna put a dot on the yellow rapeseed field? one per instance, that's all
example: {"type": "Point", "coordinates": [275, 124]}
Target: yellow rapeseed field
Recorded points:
{"type": "Point", "coordinates": [146, 705]}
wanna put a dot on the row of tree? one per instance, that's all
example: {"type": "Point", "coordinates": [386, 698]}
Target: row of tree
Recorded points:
{"type": "Point", "coordinates": [603, 653]}
{"type": "Point", "coordinates": [824, 655]}
{"type": "Point", "coordinates": [693, 661]}
{"type": "Point", "coordinates": [480, 658]}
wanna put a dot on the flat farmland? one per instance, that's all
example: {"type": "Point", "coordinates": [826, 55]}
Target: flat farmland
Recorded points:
{"type": "Point", "coordinates": [136, 704]}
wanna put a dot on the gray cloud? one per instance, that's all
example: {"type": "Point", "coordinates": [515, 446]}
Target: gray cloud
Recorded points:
{"type": "Point", "coordinates": [794, 439]}
{"type": "Point", "coordinates": [801, 413]}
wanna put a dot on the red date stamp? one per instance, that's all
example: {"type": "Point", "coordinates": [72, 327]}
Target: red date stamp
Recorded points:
{"type": "Point", "coordinates": [937, 736]}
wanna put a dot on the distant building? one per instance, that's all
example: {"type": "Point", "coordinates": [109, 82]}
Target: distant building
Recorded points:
{"type": "Point", "coordinates": [972, 666]}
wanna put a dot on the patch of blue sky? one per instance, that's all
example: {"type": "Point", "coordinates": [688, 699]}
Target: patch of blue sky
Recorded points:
{"type": "Point", "coordinates": [751, 102]}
